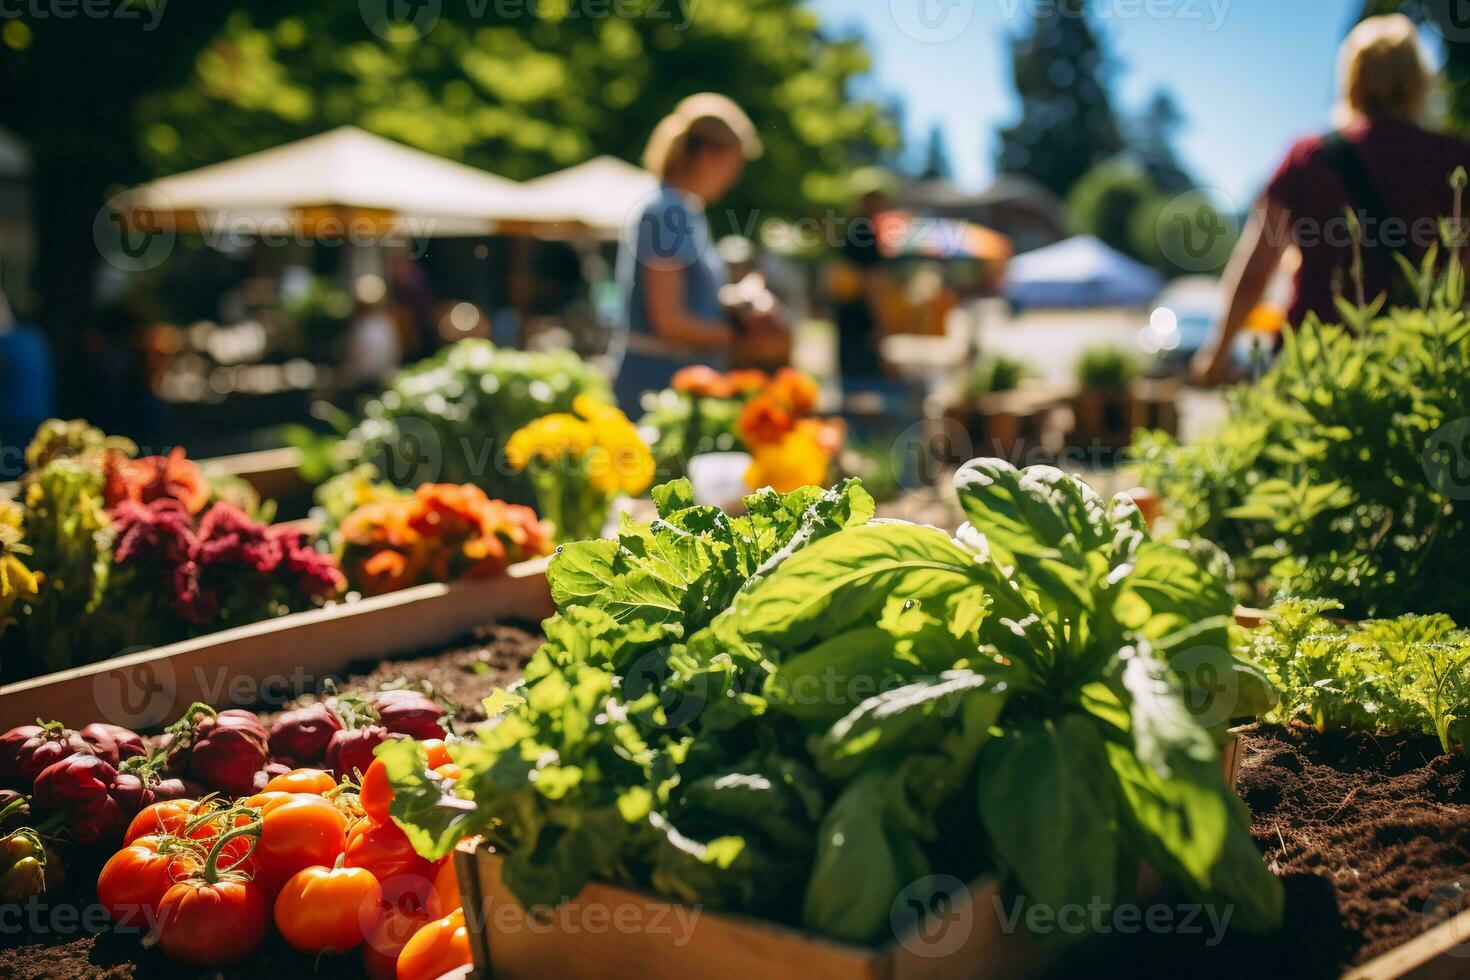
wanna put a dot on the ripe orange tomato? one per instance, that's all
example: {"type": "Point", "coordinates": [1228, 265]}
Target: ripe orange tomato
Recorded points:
{"type": "Point", "coordinates": [263, 800]}
{"type": "Point", "coordinates": [389, 931]}
{"type": "Point", "coordinates": [446, 886]}
{"type": "Point", "coordinates": [437, 948]}
{"type": "Point", "coordinates": [385, 850]}
{"type": "Point", "coordinates": [376, 793]}
{"type": "Point", "coordinates": [298, 831]}
{"type": "Point", "coordinates": [322, 909]}
{"type": "Point", "coordinates": [134, 880]}
{"type": "Point", "coordinates": [167, 817]}
{"type": "Point", "coordinates": [316, 781]}
{"type": "Point", "coordinates": [212, 924]}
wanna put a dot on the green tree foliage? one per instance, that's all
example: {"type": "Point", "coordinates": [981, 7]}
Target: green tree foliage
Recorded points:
{"type": "Point", "coordinates": [1183, 234]}
{"type": "Point", "coordinates": [107, 102]}
{"type": "Point", "coordinates": [1103, 203]}
{"type": "Point", "coordinates": [529, 93]}
{"type": "Point", "coordinates": [1067, 123]}
{"type": "Point", "coordinates": [1152, 136]}
{"type": "Point", "coordinates": [936, 157]}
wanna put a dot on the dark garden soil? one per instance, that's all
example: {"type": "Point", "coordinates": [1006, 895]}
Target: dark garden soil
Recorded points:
{"type": "Point", "coordinates": [1371, 835]}
{"type": "Point", "coordinates": [77, 942]}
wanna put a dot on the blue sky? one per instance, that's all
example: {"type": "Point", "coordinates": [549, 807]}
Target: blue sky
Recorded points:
{"type": "Point", "coordinates": [1250, 75]}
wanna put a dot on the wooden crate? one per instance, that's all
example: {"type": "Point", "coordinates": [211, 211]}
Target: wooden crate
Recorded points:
{"type": "Point", "coordinates": [1155, 405]}
{"type": "Point", "coordinates": [612, 933]}
{"type": "Point", "coordinates": [276, 658]}
{"type": "Point", "coordinates": [1018, 425]}
{"type": "Point", "coordinates": [1102, 418]}
{"type": "Point", "coordinates": [1441, 953]}
{"type": "Point", "coordinates": [273, 473]}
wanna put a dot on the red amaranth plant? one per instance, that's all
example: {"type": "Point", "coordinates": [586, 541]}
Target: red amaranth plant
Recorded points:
{"type": "Point", "coordinates": [227, 570]}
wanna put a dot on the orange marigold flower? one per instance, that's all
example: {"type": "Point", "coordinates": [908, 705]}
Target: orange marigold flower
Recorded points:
{"type": "Point", "coordinates": [439, 533]}
{"type": "Point", "coordinates": [795, 389]}
{"type": "Point", "coordinates": [796, 461]}
{"type": "Point", "coordinates": [701, 380]}
{"type": "Point", "coordinates": [764, 421]}
{"type": "Point", "coordinates": [153, 478]}
{"type": "Point", "coordinates": [746, 380]}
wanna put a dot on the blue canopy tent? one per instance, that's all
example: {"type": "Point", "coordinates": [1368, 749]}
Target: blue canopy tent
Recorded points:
{"type": "Point", "coordinates": [1079, 272]}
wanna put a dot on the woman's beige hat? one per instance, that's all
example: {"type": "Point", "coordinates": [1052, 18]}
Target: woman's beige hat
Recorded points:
{"type": "Point", "coordinates": [673, 131]}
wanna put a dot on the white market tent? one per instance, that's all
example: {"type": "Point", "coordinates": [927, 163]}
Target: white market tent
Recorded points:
{"type": "Point", "coordinates": [1079, 272]}
{"type": "Point", "coordinates": [346, 171]}
{"type": "Point", "coordinates": [600, 196]}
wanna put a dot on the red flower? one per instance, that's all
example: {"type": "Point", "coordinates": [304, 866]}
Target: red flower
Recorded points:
{"type": "Point", "coordinates": [316, 574]}
{"type": "Point", "coordinates": [171, 477]}
{"type": "Point", "coordinates": [192, 600]}
{"type": "Point", "coordinates": [228, 537]}
{"type": "Point", "coordinates": [156, 532]}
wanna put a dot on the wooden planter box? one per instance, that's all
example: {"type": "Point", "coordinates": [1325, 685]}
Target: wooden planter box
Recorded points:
{"type": "Point", "coordinates": [1013, 425]}
{"type": "Point", "coordinates": [274, 659]}
{"type": "Point", "coordinates": [609, 932]}
{"type": "Point", "coordinates": [1155, 405]}
{"type": "Point", "coordinates": [273, 473]}
{"type": "Point", "coordinates": [1102, 417]}
{"type": "Point", "coordinates": [1442, 953]}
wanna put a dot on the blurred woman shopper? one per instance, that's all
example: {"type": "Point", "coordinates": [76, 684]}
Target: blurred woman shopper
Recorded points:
{"type": "Point", "coordinates": [1380, 162]}
{"type": "Point", "coordinates": [668, 267]}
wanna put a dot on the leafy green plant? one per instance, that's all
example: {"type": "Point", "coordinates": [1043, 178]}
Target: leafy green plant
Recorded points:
{"type": "Point", "coordinates": [1411, 673]}
{"type": "Point", "coordinates": [447, 419]}
{"type": "Point", "coordinates": [70, 538]}
{"type": "Point", "coordinates": [995, 373]}
{"type": "Point", "coordinates": [1340, 474]}
{"type": "Point", "coordinates": [1336, 474]}
{"type": "Point", "coordinates": [799, 712]}
{"type": "Point", "coordinates": [1107, 368]}
{"type": "Point", "coordinates": [685, 425]}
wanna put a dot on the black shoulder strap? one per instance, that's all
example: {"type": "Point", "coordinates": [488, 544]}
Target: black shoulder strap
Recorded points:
{"type": "Point", "coordinates": [1345, 161]}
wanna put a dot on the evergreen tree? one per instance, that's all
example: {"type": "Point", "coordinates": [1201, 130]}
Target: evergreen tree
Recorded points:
{"type": "Point", "coordinates": [1067, 120]}
{"type": "Point", "coordinates": [936, 157]}
{"type": "Point", "coordinates": [1153, 144]}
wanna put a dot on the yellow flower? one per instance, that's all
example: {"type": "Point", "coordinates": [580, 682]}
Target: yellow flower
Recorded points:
{"type": "Point", "coordinates": [603, 442]}
{"type": "Point", "coordinates": [548, 438]}
{"type": "Point", "coordinates": [800, 459]}
{"type": "Point", "coordinates": [17, 582]}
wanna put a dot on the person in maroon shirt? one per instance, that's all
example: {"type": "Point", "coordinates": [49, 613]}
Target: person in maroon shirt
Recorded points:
{"type": "Point", "coordinates": [1391, 172]}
